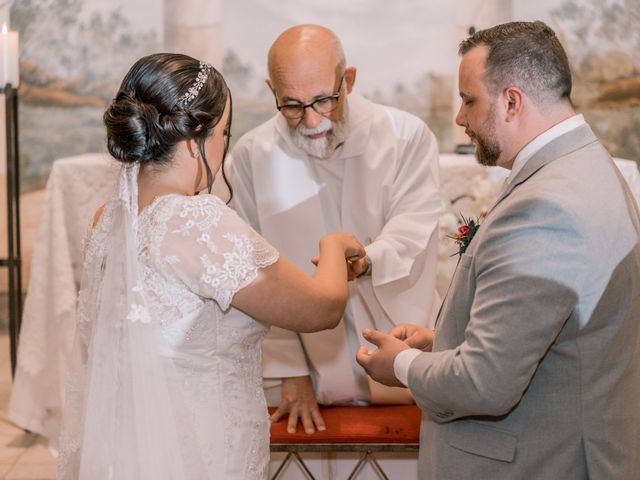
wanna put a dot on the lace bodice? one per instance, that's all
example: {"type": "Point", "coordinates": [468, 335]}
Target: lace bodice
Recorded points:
{"type": "Point", "coordinates": [194, 254]}
{"type": "Point", "coordinates": [199, 244]}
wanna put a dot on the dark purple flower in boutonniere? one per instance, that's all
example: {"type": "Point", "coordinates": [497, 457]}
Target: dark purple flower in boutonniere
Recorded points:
{"type": "Point", "coordinates": [465, 233]}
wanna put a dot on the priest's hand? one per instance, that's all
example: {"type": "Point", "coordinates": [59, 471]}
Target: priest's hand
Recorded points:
{"type": "Point", "coordinates": [414, 336]}
{"type": "Point", "coordinates": [299, 400]}
{"type": "Point", "coordinates": [378, 363]}
{"type": "Point", "coordinates": [359, 267]}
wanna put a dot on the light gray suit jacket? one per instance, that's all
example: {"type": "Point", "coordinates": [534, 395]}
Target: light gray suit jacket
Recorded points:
{"type": "Point", "coordinates": [536, 366]}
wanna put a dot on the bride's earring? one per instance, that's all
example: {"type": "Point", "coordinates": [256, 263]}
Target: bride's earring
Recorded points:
{"type": "Point", "coordinates": [196, 154]}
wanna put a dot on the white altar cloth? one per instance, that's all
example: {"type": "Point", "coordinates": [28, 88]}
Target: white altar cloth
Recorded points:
{"type": "Point", "coordinates": [78, 185]}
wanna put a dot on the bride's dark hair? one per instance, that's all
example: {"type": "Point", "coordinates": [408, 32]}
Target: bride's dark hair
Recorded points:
{"type": "Point", "coordinates": [147, 118]}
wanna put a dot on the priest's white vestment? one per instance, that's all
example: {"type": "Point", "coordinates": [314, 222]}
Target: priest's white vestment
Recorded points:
{"type": "Point", "coordinates": [388, 198]}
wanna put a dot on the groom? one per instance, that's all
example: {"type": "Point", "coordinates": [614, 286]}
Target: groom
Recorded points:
{"type": "Point", "coordinates": [535, 366]}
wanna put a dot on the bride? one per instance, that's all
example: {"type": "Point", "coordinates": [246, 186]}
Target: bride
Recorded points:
{"type": "Point", "coordinates": [164, 386]}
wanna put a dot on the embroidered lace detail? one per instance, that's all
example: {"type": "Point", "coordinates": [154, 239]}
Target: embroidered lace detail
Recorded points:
{"type": "Point", "coordinates": [238, 268]}
{"type": "Point", "coordinates": [231, 258]}
{"type": "Point", "coordinates": [195, 249]}
{"type": "Point", "coordinates": [137, 313]}
{"type": "Point", "coordinates": [194, 254]}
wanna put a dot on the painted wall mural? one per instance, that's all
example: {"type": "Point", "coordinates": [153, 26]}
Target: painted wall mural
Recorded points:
{"type": "Point", "coordinates": [75, 52]}
{"type": "Point", "coordinates": [602, 38]}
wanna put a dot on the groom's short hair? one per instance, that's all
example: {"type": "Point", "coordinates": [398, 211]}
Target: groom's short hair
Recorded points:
{"type": "Point", "coordinates": [527, 55]}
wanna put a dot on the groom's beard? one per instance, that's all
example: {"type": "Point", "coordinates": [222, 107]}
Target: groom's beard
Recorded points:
{"type": "Point", "coordinates": [321, 147]}
{"type": "Point", "coordinates": [488, 148]}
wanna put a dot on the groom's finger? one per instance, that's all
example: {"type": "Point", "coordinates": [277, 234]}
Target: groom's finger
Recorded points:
{"type": "Point", "coordinates": [399, 332]}
{"type": "Point", "coordinates": [362, 357]}
{"type": "Point", "coordinates": [373, 336]}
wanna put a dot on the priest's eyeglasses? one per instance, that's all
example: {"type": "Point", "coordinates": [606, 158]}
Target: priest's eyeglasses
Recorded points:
{"type": "Point", "coordinates": [322, 105]}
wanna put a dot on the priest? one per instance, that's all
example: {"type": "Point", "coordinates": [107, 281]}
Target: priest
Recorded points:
{"type": "Point", "coordinates": [331, 160]}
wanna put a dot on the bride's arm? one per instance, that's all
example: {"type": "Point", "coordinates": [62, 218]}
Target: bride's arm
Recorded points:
{"type": "Point", "coordinates": [97, 215]}
{"type": "Point", "coordinates": [218, 256]}
{"type": "Point", "coordinates": [284, 296]}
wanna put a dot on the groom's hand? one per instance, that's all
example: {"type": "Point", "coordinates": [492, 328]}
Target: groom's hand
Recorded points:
{"type": "Point", "coordinates": [299, 400]}
{"type": "Point", "coordinates": [378, 363]}
{"type": "Point", "coordinates": [414, 336]}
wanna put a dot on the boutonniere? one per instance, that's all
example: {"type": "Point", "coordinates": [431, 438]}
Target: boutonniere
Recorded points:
{"type": "Point", "coordinates": [465, 233]}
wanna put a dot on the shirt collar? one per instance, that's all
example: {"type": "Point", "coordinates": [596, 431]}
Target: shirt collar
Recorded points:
{"type": "Point", "coordinates": [541, 140]}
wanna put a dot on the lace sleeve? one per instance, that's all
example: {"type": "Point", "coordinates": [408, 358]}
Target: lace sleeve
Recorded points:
{"type": "Point", "coordinates": [209, 248]}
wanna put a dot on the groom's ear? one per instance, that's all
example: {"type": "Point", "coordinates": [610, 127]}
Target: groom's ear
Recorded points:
{"type": "Point", "coordinates": [513, 99]}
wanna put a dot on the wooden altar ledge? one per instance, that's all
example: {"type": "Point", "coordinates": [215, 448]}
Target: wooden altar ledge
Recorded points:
{"type": "Point", "coordinates": [368, 430]}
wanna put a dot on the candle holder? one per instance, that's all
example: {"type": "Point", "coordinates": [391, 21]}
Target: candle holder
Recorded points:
{"type": "Point", "coordinates": [13, 261]}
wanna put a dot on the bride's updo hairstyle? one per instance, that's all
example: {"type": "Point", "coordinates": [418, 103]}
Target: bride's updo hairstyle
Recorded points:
{"type": "Point", "coordinates": [166, 98]}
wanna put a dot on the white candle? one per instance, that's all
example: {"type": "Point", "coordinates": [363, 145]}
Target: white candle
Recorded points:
{"type": "Point", "coordinates": [9, 70]}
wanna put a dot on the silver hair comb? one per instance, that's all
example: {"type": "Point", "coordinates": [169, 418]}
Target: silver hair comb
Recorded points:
{"type": "Point", "coordinates": [195, 88]}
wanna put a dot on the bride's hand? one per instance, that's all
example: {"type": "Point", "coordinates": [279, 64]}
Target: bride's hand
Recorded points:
{"type": "Point", "coordinates": [358, 262]}
{"type": "Point", "coordinates": [353, 249]}
{"type": "Point", "coordinates": [354, 253]}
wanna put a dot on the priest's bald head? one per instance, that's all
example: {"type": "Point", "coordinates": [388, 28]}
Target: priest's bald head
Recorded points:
{"type": "Point", "coordinates": [310, 81]}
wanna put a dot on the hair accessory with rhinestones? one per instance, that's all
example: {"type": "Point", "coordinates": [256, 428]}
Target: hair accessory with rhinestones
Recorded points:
{"type": "Point", "coordinates": [194, 89]}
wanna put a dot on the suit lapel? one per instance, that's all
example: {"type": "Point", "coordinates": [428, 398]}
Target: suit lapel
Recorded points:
{"type": "Point", "coordinates": [557, 148]}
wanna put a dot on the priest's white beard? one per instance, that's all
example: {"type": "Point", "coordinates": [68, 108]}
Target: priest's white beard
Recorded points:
{"type": "Point", "coordinates": [321, 147]}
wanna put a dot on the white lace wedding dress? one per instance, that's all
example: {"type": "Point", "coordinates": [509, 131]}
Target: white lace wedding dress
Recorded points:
{"type": "Point", "coordinates": [164, 387]}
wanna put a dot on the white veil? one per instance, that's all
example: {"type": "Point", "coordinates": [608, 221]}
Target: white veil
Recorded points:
{"type": "Point", "coordinates": [124, 417]}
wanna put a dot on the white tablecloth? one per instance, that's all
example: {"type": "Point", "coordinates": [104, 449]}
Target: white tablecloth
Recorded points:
{"type": "Point", "coordinates": [77, 186]}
